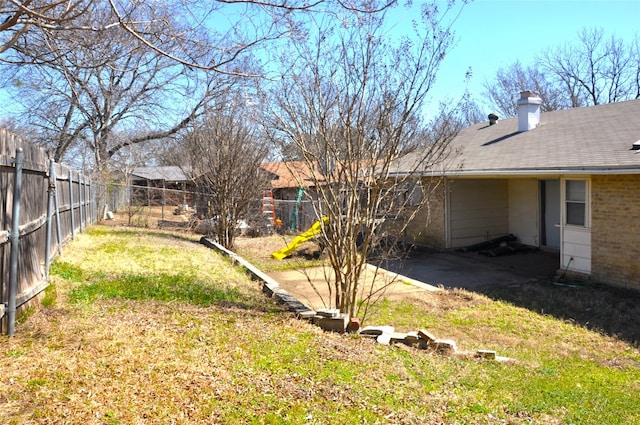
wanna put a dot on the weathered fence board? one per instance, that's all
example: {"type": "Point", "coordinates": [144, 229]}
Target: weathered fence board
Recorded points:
{"type": "Point", "coordinates": [37, 219]}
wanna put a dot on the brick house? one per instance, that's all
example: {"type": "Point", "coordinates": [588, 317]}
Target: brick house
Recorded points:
{"type": "Point", "coordinates": [565, 181]}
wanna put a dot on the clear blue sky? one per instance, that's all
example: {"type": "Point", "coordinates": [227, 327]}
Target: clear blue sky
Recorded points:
{"type": "Point", "coordinates": [494, 34]}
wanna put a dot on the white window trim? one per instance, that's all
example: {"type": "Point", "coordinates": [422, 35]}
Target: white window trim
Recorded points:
{"type": "Point", "coordinates": [587, 201]}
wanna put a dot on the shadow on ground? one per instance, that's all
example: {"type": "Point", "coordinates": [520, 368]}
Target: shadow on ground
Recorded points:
{"type": "Point", "coordinates": [611, 311]}
{"type": "Point", "coordinates": [529, 280]}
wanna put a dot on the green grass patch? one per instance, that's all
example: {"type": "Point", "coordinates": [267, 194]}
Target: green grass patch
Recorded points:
{"type": "Point", "coordinates": [558, 368]}
{"type": "Point", "coordinates": [159, 287]}
{"type": "Point", "coordinates": [67, 271]}
{"type": "Point", "coordinates": [50, 296]}
{"type": "Point", "coordinates": [149, 265]}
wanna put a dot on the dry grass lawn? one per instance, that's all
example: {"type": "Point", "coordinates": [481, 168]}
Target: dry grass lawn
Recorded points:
{"type": "Point", "coordinates": [150, 327]}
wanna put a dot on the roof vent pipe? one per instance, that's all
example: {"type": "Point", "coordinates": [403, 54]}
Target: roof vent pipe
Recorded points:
{"type": "Point", "coordinates": [528, 110]}
{"type": "Point", "coordinates": [493, 119]}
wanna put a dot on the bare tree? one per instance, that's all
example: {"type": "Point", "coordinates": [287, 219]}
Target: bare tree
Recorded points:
{"type": "Point", "coordinates": [635, 52]}
{"type": "Point", "coordinates": [509, 81]}
{"type": "Point", "coordinates": [222, 152]}
{"type": "Point", "coordinates": [595, 70]}
{"type": "Point", "coordinates": [592, 71]}
{"type": "Point", "coordinates": [469, 111]}
{"type": "Point", "coordinates": [20, 17]}
{"type": "Point", "coordinates": [105, 65]}
{"type": "Point", "coordinates": [351, 108]}
{"type": "Point", "coordinates": [246, 23]}
{"type": "Point", "coordinates": [100, 83]}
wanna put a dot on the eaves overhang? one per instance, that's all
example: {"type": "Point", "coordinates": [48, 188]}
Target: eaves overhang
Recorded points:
{"type": "Point", "coordinates": [524, 172]}
{"type": "Point", "coordinates": [546, 171]}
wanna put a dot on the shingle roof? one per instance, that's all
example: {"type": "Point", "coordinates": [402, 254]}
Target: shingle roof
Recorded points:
{"type": "Point", "coordinates": [596, 138]}
{"type": "Point", "coordinates": [290, 174]}
{"type": "Point", "coordinates": [167, 173]}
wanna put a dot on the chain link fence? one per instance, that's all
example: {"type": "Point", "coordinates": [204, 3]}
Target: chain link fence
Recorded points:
{"type": "Point", "coordinates": [192, 210]}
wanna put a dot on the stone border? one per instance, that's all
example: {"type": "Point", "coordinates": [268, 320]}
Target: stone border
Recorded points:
{"type": "Point", "coordinates": [333, 320]}
{"type": "Point", "coordinates": [269, 285]}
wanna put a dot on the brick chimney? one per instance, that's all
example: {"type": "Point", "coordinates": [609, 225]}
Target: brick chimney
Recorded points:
{"type": "Point", "coordinates": [528, 111]}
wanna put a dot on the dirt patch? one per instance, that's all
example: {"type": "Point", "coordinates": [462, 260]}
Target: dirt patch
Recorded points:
{"type": "Point", "coordinates": [311, 282]}
{"type": "Point", "coordinates": [153, 218]}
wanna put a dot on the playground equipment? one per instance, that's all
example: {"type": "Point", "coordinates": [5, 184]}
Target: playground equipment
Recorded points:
{"type": "Point", "coordinates": [293, 225]}
{"type": "Point", "coordinates": [268, 206]}
{"type": "Point", "coordinates": [300, 239]}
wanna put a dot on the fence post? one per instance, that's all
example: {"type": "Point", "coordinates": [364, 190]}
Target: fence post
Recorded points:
{"type": "Point", "coordinates": [294, 215]}
{"type": "Point", "coordinates": [73, 222]}
{"type": "Point", "coordinates": [47, 248]}
{"type": "Point", "coordinates": [92, 206]}
{"type": "Point", "coordinates": [81, 196]}
{"type": "Point", "coordinates": [54, 177]}
{"type": "Point", "coordinates": [163, 200]}
{"type": "Point", "coordinates": [80, 206]}
{"type": "Point", "coordinates": [85, 201]}
{"type": "Point", "coordinates": [15, 244]}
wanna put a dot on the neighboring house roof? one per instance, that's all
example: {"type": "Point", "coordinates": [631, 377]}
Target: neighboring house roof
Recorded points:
{"type": "Point", "coordinates": [167, 173]}
{"type": "Point", "coordinates": [590, 139]}
{"type": "Point", "coordinates": [289, 174]}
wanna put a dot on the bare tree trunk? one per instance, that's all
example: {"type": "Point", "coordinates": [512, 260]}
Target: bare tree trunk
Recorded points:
{"type": "Point", "coordinates": [350, 110]}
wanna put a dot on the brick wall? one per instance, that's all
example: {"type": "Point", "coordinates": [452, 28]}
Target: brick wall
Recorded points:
{"type": "Point", "coordinates": [615, 230]}
{"type": "Point", "coordinates": [428, 227]}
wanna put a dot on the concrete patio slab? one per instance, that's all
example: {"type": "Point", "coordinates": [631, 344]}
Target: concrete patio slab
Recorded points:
{"type": "Point", "coordinates": [471, 270]}
{"type": "Point", "coordinates": [426, 271]}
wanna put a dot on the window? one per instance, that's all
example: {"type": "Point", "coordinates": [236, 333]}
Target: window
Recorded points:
{"type": "Point", "coordinates": [414, 194]}
{"type": "Point", "coordinates": [408, 194]}
{"type": "Point", "coordinates": [576, 202]}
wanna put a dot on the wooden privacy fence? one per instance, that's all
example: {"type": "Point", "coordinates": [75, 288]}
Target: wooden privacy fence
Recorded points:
{"type": "Point", "coordinates": [42, 206]}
